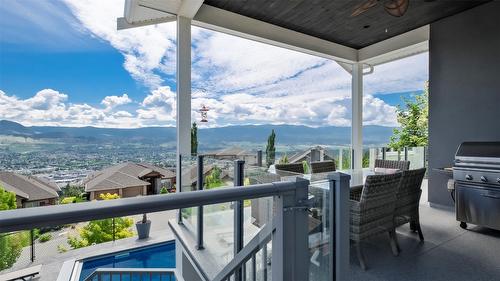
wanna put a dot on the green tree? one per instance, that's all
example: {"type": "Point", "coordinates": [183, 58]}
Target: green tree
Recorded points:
{"type": "Point", "coordinates": [194, 139]}
{"type": "Point", "coordinates": [270, 149]}
{"type": "Point", "coordinates": [305, 166]}
{"type": "Point", "coordinates": [7, 199]}
{"type": "Point", "coordinates": [413, 119]}
{"type": "Point", "coordinates": [163, 190]}
{"type": "Point", "coordinates": [100, 231]}
{"type": "Point", "coordinates": [213, 180]}
{"type": "Point", "coordinates": [10, 244]}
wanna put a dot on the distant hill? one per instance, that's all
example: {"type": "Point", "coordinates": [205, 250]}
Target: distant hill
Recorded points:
{"type": "Point", "coordinates": [286, 134]}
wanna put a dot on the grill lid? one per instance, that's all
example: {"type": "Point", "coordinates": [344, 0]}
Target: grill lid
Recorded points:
{"type": "Point", "coordinates": [478, 153]}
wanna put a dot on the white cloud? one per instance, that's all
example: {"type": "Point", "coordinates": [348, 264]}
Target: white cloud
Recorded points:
{"type": "Point", "coordinates": [114, 101]}
{"type": "Point", "coordinates": [147, 50]}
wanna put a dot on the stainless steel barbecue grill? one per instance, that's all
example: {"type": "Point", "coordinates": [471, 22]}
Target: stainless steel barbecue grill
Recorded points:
{"type": "Point", "coordinates": [477, 184]}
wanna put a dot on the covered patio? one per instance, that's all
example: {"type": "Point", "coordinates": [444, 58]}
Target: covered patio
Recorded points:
{"type": "Point", "coordinates": [463, 42]}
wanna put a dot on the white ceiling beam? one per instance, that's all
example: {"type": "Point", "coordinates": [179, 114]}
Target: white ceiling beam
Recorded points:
{"type": "Point", "coordinates": [189, 8]}
{"type": "Point", "coordinates": [148, 12]}
{"type": "Point", "coordinates": [397, 47]}
{"type": "Point", "coordinates": [235, 24]}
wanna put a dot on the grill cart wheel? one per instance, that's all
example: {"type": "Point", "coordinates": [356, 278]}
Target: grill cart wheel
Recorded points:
{"type": "Point", "coordinates": [463, 225]}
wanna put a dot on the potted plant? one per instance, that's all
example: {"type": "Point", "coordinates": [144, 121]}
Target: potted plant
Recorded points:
{"type": "Point", "coordinates": [143, 227]}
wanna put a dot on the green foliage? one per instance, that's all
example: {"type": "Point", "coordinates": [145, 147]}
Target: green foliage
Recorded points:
{"type": "Point", "coordinates": [305, 166]}
{"type": "Point", "coordinates": [366, 159]}
{"type": "Point", "coordinates": [213, 180]}
{"type": "Point", "coordinates": [61, 248]}
{"type": "Point", "coordinates": [109, 196]}
{"type": "Point", "coordinates": [163, 190]}
{"type": "Point", "coordinates": [194, 139]}
{"type": "Point", "coordinates": [10, 250]}
{"type": "Point", "coordinates": [45, 237]}
{"type": "Point", "coordinates": [270, 149]}
{"type": "Point", "coordinates": [7, 199]}
{"type": "Point", "coordinates": [10, 244]}
{"type": "Point", "coordinates": [69, 200]}
{"type": "Point", "coordinates": [413, 118]}
{"type": "Point", "coordinates": [284, 159]}
{"type": "Point", "coordinates": [72, 194]}
{"type": "Point", "coordinates": [100, 231]}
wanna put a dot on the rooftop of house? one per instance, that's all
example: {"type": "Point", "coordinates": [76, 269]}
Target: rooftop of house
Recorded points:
{"type": "Point", "coordinates": [230, 151]}
{"type": "Point", "coordinates": [306, 154]}
{"type": "Point", "coordinates": [30, 188]}
{"type": "Point", "coordinates": [124, 175]}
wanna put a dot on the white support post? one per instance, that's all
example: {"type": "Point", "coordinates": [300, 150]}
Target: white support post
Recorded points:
{"type": "Point", "coordinates": [357, 115]}
{"type": "Point", "coordinates": [183, 92]}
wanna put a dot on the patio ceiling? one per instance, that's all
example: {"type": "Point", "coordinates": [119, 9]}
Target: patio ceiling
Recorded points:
{"type": "Point", "coordinates": [332, 20]}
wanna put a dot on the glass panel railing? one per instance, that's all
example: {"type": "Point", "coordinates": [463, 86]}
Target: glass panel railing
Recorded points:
{"type": "Point", "coordinates": [319, 231]}
{"type": "Point", "coordinates": [189, 172]}
{"type": "Point", "coordinates": [218, 219]}
{"type": "Point", "coordinates": [416, 156]}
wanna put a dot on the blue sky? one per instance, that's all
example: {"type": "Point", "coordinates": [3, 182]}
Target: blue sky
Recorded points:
{"type": "Point", "coordinates": [64, 63]}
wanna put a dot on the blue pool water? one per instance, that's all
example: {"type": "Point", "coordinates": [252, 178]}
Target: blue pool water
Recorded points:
{"type": "Point", "coordinates": [157, 256]}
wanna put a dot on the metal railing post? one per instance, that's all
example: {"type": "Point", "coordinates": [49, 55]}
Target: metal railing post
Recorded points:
{"type": "Point", "coordinates": [339, 225]}
{"type": "Point", "coordinates": [290, 258]}
{"type": "Point", "coordinates": [239, 176]}
{"type": "Point", "coordinates": [114, 230]}
{"type": "Point", "coordinates": [199, 184]}
{"type": "Point", "coordinates": [406, 153]}
{"type": "Point", "coordinates": [178, 186]}
{"type": "Point", "coordinates": [259, 158]}
{"type": "Point", "coordinates": [341, 152]}
{"type": "Point", "coordinates": [383, 152]}
{"type": "Point", "coordinates": [32, 238]}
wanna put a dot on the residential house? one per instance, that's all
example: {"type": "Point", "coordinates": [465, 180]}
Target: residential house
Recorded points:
{"type": "Point", "coordinates": [234, 153]}
{"type": "Point", "coordinates": [30, 191]}
{"type": "Point", "coordinates": [127, 180]}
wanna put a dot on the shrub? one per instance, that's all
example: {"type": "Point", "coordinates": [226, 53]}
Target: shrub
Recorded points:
{"type": "Point", "coordinates": [61, 249]}
{"type": "Point", "coordinates": [163, 190]}
{"type": "Point", "coordinates": [45, 237]}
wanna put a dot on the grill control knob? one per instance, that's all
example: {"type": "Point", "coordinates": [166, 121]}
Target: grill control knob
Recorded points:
{"type": "Point", "coordinates": [468, 177]}
{"type": "Point", "coordinates": [484, 179]}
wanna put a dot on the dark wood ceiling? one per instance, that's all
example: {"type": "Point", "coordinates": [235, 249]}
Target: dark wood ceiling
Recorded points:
{"type": "Point", "coordinates": [331, 19]}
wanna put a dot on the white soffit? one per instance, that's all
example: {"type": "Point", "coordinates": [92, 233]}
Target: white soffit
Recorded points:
{"type": "Point", "coordinates": [235, 24]}
{"type": "Point", "coordinates": [407, 44]}
{"type": "Point", "coordinates": [147, 12]}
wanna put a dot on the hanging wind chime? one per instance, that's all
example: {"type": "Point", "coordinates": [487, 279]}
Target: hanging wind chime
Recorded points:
{"type": "Point", "coordinates": [204, 113]}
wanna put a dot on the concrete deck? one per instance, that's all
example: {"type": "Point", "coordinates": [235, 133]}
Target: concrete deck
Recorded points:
{"type": "Point", "coordinates": [448, 252]}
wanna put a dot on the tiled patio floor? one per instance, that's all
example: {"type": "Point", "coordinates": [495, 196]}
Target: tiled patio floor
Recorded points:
{"type": "Point", "coordinates": [448, 253]}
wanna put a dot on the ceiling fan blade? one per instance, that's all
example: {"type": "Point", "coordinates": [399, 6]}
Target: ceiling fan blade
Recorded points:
{"type": "Point", "coordinates": [397, 8]}
{"type": "Point", "coordinates": [363, 7]}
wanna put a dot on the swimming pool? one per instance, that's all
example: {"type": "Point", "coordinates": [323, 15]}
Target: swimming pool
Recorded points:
{"type": "Point", "coordinates": [155, 256]}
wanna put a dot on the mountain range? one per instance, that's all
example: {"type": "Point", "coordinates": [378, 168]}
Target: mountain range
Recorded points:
{"type": "Point", "coordinates": [285, 134]}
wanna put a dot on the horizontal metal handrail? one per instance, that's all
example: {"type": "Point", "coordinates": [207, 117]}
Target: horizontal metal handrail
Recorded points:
{"type": "Point", "coordinates": [29, 218]}
{"type": "Point", "coordinates": [170, 272]}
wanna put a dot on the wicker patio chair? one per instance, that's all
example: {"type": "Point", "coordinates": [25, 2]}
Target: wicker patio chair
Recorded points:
{"type": "Point", "coordinates": [372, 211]}
{"type": "Point", "coordinates": [291, 167]}
{"type": "Point", "coordinates": [323, 167]}
{"type": "Point", "coordinates": [392, 164]}
{"type": "Point", "coordinates": [408, 198]}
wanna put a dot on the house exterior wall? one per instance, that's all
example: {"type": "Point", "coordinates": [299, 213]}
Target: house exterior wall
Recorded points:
{"type": "Point", "coordinates": [38, 203]}
{"type": "Point", "coordinates": [132, 191]}
{"type": "Point", "coordinates": [464, 91]}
